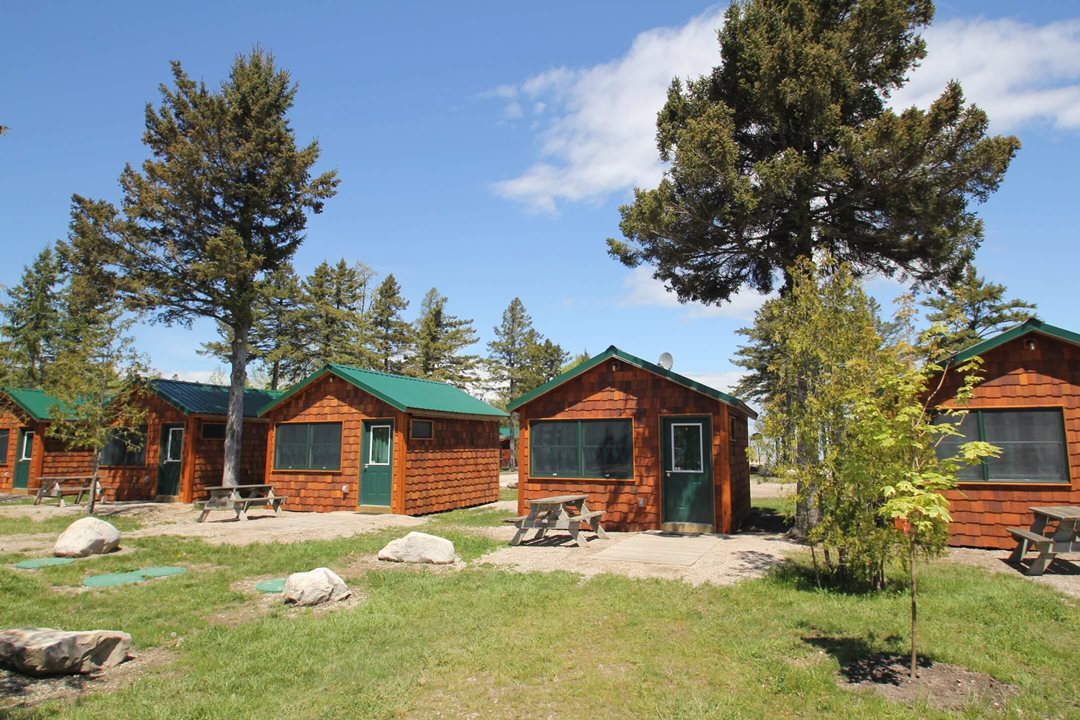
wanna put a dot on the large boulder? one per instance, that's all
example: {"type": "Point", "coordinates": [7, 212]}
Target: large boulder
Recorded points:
{"type": "Point", "coordinates": [87, 536]}
{"type": "Point", "coordinates": [314, 587]}
{"type": "Point", "coordinates": [44, 651]}
{"type": "Point", "coordinates": [418, 547]}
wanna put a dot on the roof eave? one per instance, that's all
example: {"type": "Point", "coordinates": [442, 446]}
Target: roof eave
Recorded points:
{"type": "Point", "coordinates": [1027, 327]}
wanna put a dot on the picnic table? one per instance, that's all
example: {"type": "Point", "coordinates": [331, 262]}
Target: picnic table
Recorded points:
{"type": "Point", "coordinates": [239, 498]}
{"type": "Point", "coordinates": [59, 486]}
{"type": "Point", "coordinates": [561, 512]}
{"type": "Point", "coordinates": [1066, 537]}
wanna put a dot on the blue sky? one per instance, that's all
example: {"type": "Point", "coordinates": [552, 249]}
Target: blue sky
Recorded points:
{"type": "Point", "coordinates": [484, 147]}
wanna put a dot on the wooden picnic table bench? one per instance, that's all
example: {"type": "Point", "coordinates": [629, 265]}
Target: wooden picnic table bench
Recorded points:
{"type": "Point", "coordinates": [1065, 539]}
{"type": "Point", "coordinates": [561, 512]}
{"type": "Point", "coordinates": [59, 486]}
{"type": "Point", "coordinates": [239, 498]}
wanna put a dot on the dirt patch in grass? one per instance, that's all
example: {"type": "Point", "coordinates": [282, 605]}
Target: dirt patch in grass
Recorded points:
{"type": "Point", "coordinates": [939, 685]}
{"type": "Point", "coordinates": [257, 604]}
{"type": "Point", "coordinates": [20, 691]}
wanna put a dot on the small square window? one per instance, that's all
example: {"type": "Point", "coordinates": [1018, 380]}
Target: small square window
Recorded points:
{"type": "Point", "coordinates": [213, 431]}
{"type": "Point", "coordinates": [423, 429]}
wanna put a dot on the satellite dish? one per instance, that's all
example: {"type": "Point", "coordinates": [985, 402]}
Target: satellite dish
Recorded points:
{"type": "Point", "coordinates": [666, 361]}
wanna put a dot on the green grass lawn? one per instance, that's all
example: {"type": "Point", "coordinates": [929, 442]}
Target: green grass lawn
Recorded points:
{"type": "Point", "coordinates": [57, 523]}
{"type": "Point", "coordinates": [506, 493]}
{"type": "Point", "coordinates": [482, 642]}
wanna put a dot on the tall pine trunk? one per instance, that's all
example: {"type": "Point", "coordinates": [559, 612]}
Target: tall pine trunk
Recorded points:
{"type": "Point", "coordinates": [234, 421]}
{"type": "Point", "coordinates": [92, 505]}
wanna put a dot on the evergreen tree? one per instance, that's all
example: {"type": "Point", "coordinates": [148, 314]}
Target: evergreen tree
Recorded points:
{"type": "Point", "coordinates": [277, 337]}
{"type": "Point", "coordinates": [220, 204]}
{"type": "Point", "coordinates": [30, 322]}
{"type": "Point", "coordinates": [546, 360]}
{"type": "Point", "coordinates": [787, 149]}
{"type": "Point", "coordinates": [96, 375]}
{"type": "Point", "coordinates": [576, 360]}
{"type": "Point", "coordinates": [441, 339]}
{"type": "Point", "coordinates": [512, 352]}
{"type": "Point", "coordinates": [971, 309]}
{"type": "Point", "coordinates": [389, 337]}
{"type": "Point", "coordinates": [332, 317]}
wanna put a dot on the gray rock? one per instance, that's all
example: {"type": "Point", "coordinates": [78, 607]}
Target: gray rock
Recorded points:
{"type": "Point", "coordinates": [418, 547]}
{"type": "Point", "coordinates": [44, 651]}
{"type": "Point", "coordinates": [87, 536]}
{"type": "Point", "coordinates": [512, 484]}
{"type": "Point", "coordinates": [315, 587]}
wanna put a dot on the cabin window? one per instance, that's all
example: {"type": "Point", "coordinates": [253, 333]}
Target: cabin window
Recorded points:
{"type": "Point", "coordinates": [126, 448]}
{"type": "Point", "coordinates": [582, 448]}
{"type": "Point", "coordinates": [4, 434]}
{"type": "Point", "coordinates": [307, 446]}
{"type": "Point", "coordinates": [1032, 443]}
{"type": "Point", "coordinates": [422, 429]}
{"type": "Point", "coordinates": [213, 431]}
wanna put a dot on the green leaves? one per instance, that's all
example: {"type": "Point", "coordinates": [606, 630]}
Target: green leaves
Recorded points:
{"type": "Point", "coordinates": [786, 148]}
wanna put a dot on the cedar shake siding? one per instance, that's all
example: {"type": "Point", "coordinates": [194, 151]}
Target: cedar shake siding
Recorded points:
{"type": "Point", "coordinates": [208, 455]}
{"type": "Point", "coordinates": [12, 420]}
{"type": "Point", "coordinates": [1014, 377]}
{"type": "Point", "coordinates": [458, 466]}
{"type": "Point", "coordinates": [633, 393]}
{"type": "Point", "coordinates": [329, 399]}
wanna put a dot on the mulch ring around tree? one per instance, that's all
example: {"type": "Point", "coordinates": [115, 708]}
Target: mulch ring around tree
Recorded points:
{"type": "Point", "coordinates": [20, 691]}
{"type": "Point", "coordinates": [939, 685]}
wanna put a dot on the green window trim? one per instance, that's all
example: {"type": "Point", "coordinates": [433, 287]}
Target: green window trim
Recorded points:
{"type": "Point", "coordinates": [1032, 441]}
{"type": "Point", "coordinates": [307, 446]}
{"type": "Point", "coordinates": [120, 452]}
{"type": "Point", "coordinates": [600, 449]}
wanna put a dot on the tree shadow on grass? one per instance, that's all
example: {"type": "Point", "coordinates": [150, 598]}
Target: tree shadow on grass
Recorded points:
{"type": "Point", "coordinates": [861, 661]}
{"type": "Point", "coordinates": [768, 519]}
{"type": "Point", "coordinates": [801, 576]}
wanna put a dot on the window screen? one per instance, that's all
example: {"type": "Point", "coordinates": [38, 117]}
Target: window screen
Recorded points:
{"type": "Point", "coordinates": [422, 429]}
{"type": "Point", "coordinates": [213, 431]}
{"type": "Point", "coordinates": [126, 448]}
{"type": "Point", "coordinates": [1032, 444]}
{"type": "Point", "coordinates": [4, 446]}
{"type": "Point", "coordinates": [307, 446]}
{"type": "Point", "coordinates": [582, 448]}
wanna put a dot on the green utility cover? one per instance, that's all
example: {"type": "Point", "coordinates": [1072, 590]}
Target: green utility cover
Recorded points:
{"type": "Point", "coordinates": [43, 562]}
{"type": "Point", "coordinates": [271, 586]}
{"type": "Point", "coordinates": [113, 579]}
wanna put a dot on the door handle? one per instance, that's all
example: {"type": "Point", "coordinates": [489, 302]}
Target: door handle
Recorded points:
{"type": "Point", "coordinates": [668, 473]}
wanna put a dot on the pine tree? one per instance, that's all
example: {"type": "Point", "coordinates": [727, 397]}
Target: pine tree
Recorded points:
{"type": "Point", "coordinates": [96, 376]}
{"type": "Point", "coordinates": [220, 204]}
{"type": "Point", "coordinates": [30, 324]}
{"type": "Point", "coordinates": [787, 149]}
{"type": "Point", "coordinates": [277, 337]}
{"type": "Point", "coordinates": [332, 318]}
{"type": "Point", "coordinates": [546, 360]}
{"type": "Point", "coordinates": [972, 308]}
{"type": "Point", "coordinates": [510, 354]}
{"type": "Point", "coordinates": [440, 341]}
{"type": "Point", "coordinates": [389, 337]}
{"type": "Point", "coordinates": [576, 360]}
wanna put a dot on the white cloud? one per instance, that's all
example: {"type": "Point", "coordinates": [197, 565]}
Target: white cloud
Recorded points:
{"type": "Point", "coordinates": [642, 289]}
{"type": "Point", "coordinates": [723, 381]}
{"type": "Point", "coordinates": [600, 137]}
{"type": "Point", "coordinates": [598, 134]}
{"type": "Point", "coordinates": [1017, 72]}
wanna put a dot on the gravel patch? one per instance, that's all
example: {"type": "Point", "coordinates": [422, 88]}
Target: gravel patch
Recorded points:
{"type": "Point", "coordinates": [1063, 574]}
{"type": "Point", "coordinates": [732, 558]}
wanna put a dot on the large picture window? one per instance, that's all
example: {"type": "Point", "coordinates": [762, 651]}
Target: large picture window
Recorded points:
{"type": "Point", "coordinates": [582, 448]}
{"type": "Point", "coordinates": [307, 446]}
{"type": "Point", "coordinates": [1032, 444]}
{"type": "Point", "coordinates": [126, 448]}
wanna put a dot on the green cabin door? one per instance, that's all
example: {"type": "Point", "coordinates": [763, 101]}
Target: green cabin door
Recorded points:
{"type": "Point", "coordinates": [170, 460]}
{"type": "Point", "coordinates": [23, 454]}
{"type": "Point", "coordinates": [376, 462]}
{"type": "Point", "coordinates": [687, 483]}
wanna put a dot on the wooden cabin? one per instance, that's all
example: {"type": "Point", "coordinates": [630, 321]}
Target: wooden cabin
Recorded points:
{"type": "Point", "coordinates": [651, 448]}
{"type": "Point", "coordinates": [182, 449]}
{"type": "Point", "coordinates": [348, 439]}
{"type": "Point", "coordinates": [1027, 404]}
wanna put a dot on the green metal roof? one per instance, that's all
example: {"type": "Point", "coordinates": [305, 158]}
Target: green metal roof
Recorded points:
{"type": "Point", "coordinates": [35, 403]}
{"type": "Point", "coordinates": [205, 399]}
{"type": "Point", "coordinates": [1028, 326]}
{"type": "Point", "coordinates": [614, 352]}
{"type": "Point", "coordinates": [407, 394]}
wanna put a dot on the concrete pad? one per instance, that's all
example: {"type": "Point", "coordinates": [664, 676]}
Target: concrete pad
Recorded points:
{"type": "Point", "coordinates": [660, 549]}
